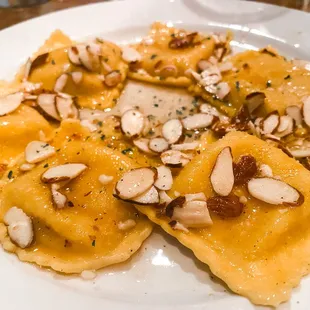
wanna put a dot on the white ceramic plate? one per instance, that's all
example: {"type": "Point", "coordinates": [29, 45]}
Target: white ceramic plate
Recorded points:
{"type": "Point", "coordinates": [163, 274]}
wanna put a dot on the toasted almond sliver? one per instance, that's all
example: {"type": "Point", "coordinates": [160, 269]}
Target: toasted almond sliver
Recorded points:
{"type": "Point", "coordinates": [208, 109]}
{"type": "Point", "coordinates": [271, 122]}
{"type": "Point", "coordinates": [130, 54]}
{"type": "Point", "coordinates": [20, 229]}
{"type": "Point", "coordinates": [126, 225]}
{"type": "Point", "coordinates": [275, 192]}
{"type": "Point", "coordinates": [265, 171]}
{"type": "Point", "coordinates": [113, 78]}
{"type": "Point", "coordinates": [105, 179]}
{"type": "Point", "coordinates": [189, 146]}
{"type": "Point", "coordinates": [132, 123]}
{"type": "Point", "coordinates": [47, 102]}
{"type": "Point", "coordinates": [203, 64]}
{"type": "Point", "coordinates": [26, 167]}
{"type": "Point", "coordinates": [73, 55]}
{"type": "Point", "coordinates": [61, 82]}
{"type": "Point", "coordinates": [254, 101]}
{"type": "Point", "coordinates": [306, 110]}
{"type": "Point", "coordinates": [150, 197]}
{"type": "Point", "coordinates": [158, 145]}
{"type": "Point", "coordinates": [10, 103]}
{"type": "Point", "coordinates": [37, 151]}
{"type": "Point", "coordinates": [222, 90]}
{"type": "Point", "coordinates": [197, 196]}
{"type": "Point", "coordinates": [143, 145]}
{"type": "Point", "coordinates": [27, 69]}
{"type": "Point", "coordinates": [77, 77]}
{"type": "Point", "coordinates": [58, 198]}
{"type": "Point", "coordinates": [197, 121]}
{"type": "Point", "coordinates": [175, 225]}
{"type": "Point", "coordinates": [164, 197]}
{"type": "Point", "coordinates": [66, 108]}
{"type": "Point", "coordinates": [164, 178]}
{"type": "Point", "coordinates": [175, 159]}
{"type": "Point", "coordinates": [222, 176]}
{"type": "Point", "coordinates": [193, 214]}
{"type": "Point", "coordinates": [135, 182]}
{"type": "Point", "coordinates": [89, 57]}
{"type": "Point", "coordinates": [62, 173]}
{"type": "Point", "coordinates": [168, 71]}
{"type": "Point", "coordinates": [301, 152]}
{"type": "Point", "coordinates": [172, 130]}
{"type": "Point", "coordinates": [295, 113]}
{"type": "Point", "coordinates": [286, 126]}
{"type": "Point", "coordinates": [89, 125]}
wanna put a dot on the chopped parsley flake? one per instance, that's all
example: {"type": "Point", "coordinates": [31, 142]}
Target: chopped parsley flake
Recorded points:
{"type": "Point", "coordinates": [153, 56]}
{"type": "Point", "coordinates": [10, 174]}
{"type": "Point", "coordinates": [150, 117]}
{"type": "Point", "coordinates": [129, 150]}
{"type": "Point", "coordinates": [102, 137]}
{"type": "Point", "coordinates": [53, 62]}
{"type": "Point", "coordinates": [195, 102]}
{"type": "Point", "coordinates": [156, 105]}
{"type": "Point", "coordinates": [100, 124]}
{"type": "Point", "coordinates": [93, 243]}
{"type": "Point", "coordinates": [268, 84]}
{"type": "Point", "coordinates": [237, 85]}
{"type": "Point", "coordinates": [287, 77]}
{"type": "Point", "coordinates": [45, 166]}
{"type": "Point", "coordinates": [179, 112]}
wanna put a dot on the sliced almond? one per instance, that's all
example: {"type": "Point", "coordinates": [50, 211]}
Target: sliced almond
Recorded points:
{"type": "Point", "coordinates": [222, 90]}
{"type": "Point", "coordinates": [37, 62]}
{"type": "Point", "coordinates": [105, 179]}
{"type": "Point", "coordinates": [164, 198]}
{"type": "Point", "coordinates": [164, 178]}
{"type": "Point", "coordinates": [113, 78]}
{"type": "Point", "coordinates": [132, 123]}
{"type": "Point", "coordinates": [175, 159]}
{"type": "Point", "coordinates": [20, 227]}
{"type": "Point", "coordinates": [168, 71]}
{"type": "Point", "coordinates": [26, 167]}
{"type": "Point", "coordinates": [61, 82]}
{"type": "Point", "coordinates": [203, 64]}
{"type": "Point", "coordinates": [208, 109]}
{"type": "Point", "coordinates": [130, 54]}
{"type": "Point", "coordinates": [286, 126]}
{"type": "Point", "coordinates": [265, 171]}
{"type": "Point", "coordinates": [197, 121]}
{"type": "Point", "coordinates": [189, 146]}
{"type": "Point", "coordinates": [295, 113]}
{"type": "Point", "coordinates": [222, 176]}
{"type": "Point", "coordinates": [175, 225]}
{"type": "Point", "coordinates": [193, 214]}
{"type": "Point", "coordinates": [135, 182]}
{"type": "Point", "coordinates": [275, 192]}
{"type": "Point", "coordinates": [150, 197]}
{"type": "Point", "coordinates": [77, 77]}
{"type": "Point", "coordinates": [89, 125]}
{"type": "Point", "coordinates": [196, 196]}
{"type": "Point", "coordinates": [306, 110]}
{"type": "Point", "coordinates": [73, 55]}
{"type": "Point", "coordinates": [300, 152]}
{"type": "Point", "coordinates": [89, 58]}
{"type": "Point", "coordinates": [10, 103]}
{"type": "Point", "coordinates": [47, 102]}
{"type": "Point", "coordinates": [254, 101]}
{"type": "Point", "coordinates": [143, 145]}
{"type": "Point", "coordinates": [62, 173]}
{"type": "Point", "coordinates": [158, 145]}
{"type": "Point", "coordinates": [66, 108]}
{"type": "Point", "coordinates": [271, 122]}
{"type": "Point", "coordinates": [172, 130]}
{"type": "Point", "coordinates": [27, 69]}
{"type": "Point", "coordinates": [126, 225]}
{"type": "Point", "coordinates": [225, 66]}
{"type": "Point", "coordinates": [37, 151]}
{"type": "Point", "coordinates": [58, 198]}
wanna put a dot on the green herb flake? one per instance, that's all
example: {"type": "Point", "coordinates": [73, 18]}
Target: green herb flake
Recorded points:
{"type": "Point", "coordinates": [195, 102]}
{"type": "Point", "coordinates": [100, 124]}
{"type": "Point", "coordinates": [128, 150]}
{"type": "Point", "coordinates": [268, 84]}
{"type": "Point", "coordinates": [53, 62]}
{"type": "Point", "coordinates": [156, 105]}
{"type": "Point", "coordinates": [237, 85]}
{"type": "Point", "coordinates": [189, 135]}
{"type": "Point", "coordinates": [45, 166]}
{"type": "Point", "coordinates": [10, 174]}
{"type": "Point", "coordinates": [179, 112]}
{"type": "Point", "coordinates": [153, 56]}
{"type": "Point", "coordinates": [87, 138]}
{"type": "Point", "coordinates": [287, 77]}
{"type": "Point", "coordinates": [93, 243]}
{"type": "Point", "coordinates": [151, 117]}
{"type": "Point", "coordinates": [161, 78]}
{"type": "Point", "coordinates": [102, 137]}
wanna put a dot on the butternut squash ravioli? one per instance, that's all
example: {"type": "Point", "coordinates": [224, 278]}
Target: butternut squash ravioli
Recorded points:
{"type": "Point", "coordinates": [100, 142]}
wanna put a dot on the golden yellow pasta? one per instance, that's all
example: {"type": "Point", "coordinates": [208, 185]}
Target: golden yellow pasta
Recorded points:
{"type": "Point", "coordinates": [86, 233]}
{"type": "Point", "coordinates": [263, 253]}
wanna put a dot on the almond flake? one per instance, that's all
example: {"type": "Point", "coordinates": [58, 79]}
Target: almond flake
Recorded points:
{"type": "Point", "coordinates": [135, 182]}
{"type": "Point", "coordinates": [271, 122]}
{"type": "Point", "coordinates": [197, 121]}
{"type": "Point", "coordinates": [130, 54]}
{"type": "Point", "coordinates": [295, 113]}
{"type": "Point", "coordinates": [132, 123]}
{"type": "Point", "coordinates": [77, 77]}
{"type": "Point", "coordinates": [164, 198]}
{"type": "Point", "coordinates": [10, 103]}
{"type": "Point", "coordinates": [208, 109]}
{"type": "Point", "coordinates": [203, 64]}
{"type": "Point", "coordinates": [26, 167]}
{"type": "Point", "coordinates": [254, 101]}
{"type": "Point", "coordinates": [222, 90]}
{"type": "Point", "coordinates": [89, 125]}
{"type": "Point", "coordinates": [226, 66]}
{"type": "Point", "coordinates": [175, 225]}
{"type": "Point", "coordinates": [37, 151]}
{"type": "Point", "coordinates": [113, 78]}
{"type": "Point", "coordinates": [150, 197]}
{"type": "Point", "coordinates": [58, 198]}
{"type": "Point", "coordinates": [62, 173]}
{"type": "Point", "coordinates": [222, 176]}
{"type": "Point", "coordinates": [189, 146]}
{"type": "Point", "coordinates": [47, 102]}
{"type": "Point", "coordinates": [300, 152]}
{"type": "Point", "coordinates": [158, 145]}
{"type": "Point", "coordinates": [169, 71]}
{"type": "Point", "coordinates": [286, 126]}
{"type": "Point", "coordinates": [164, 178]}
{"type": "Point", "coordinates": [193, 214]}
{"type": "Point", "coordinates": [73, 55]}
{"type": "Point", "coordinates": [126, 225]}
{"type": "Point", "coordinates": [306, 110]}
{"type": "Point", "coordinates": [27, 69]}
{"type": "Point", "coordinates": [197, 196]}
{"type": "Point", "coordinates": [66, 107]}
{"type": "Point", "coordinates": [172, 130]}
{"type": "Point", "coordinates": [61, 82]}
{"type": "Point", "coordinates": [275, 192]}
{"type": "Point", "coordinates": [265, 171]}
{"type": "Point", "coordinates": [143, 145]}
{"type": "Point", "coordinates": [20, 229]}
{"type": "Point", "coordinates": [89, 58]}
{"type": "Point", "coordinates": [243, 200]}
{"type": "Point", "coordinates": [105, 179]}
{"type": "Point", "coordinates": [175, 159]}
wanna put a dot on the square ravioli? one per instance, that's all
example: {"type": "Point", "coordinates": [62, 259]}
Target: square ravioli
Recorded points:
{"type": "Point", "coordinates": [264, 251]}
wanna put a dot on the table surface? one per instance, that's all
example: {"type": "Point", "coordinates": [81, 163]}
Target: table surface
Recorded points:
{"type": "Point", "coordinates": [11, 16]}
